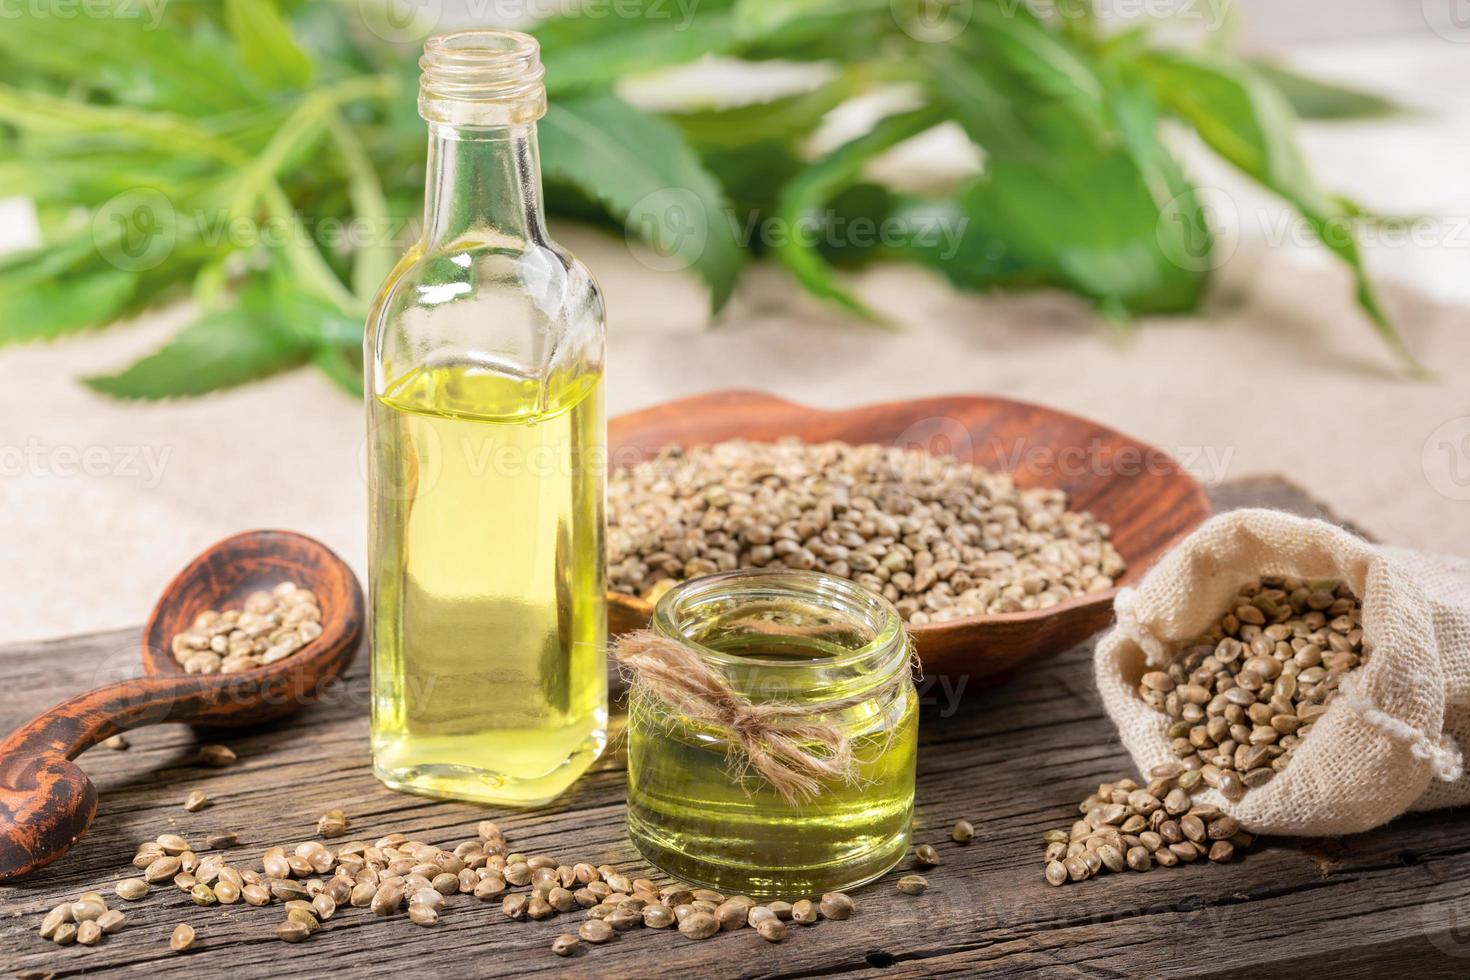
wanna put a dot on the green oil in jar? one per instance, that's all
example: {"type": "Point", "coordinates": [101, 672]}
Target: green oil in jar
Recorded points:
{"type": "Point", "coordinates": [804, 640]}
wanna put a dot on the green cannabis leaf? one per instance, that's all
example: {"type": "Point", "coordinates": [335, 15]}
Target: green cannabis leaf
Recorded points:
{"type": "Point", "coordinates": [222, 151]}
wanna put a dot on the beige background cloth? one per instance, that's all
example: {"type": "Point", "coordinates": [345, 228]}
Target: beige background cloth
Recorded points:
{"type": "Point", "coordinates": [102, 502]}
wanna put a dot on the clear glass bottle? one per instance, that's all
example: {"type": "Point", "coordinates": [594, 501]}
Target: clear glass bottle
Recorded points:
{"type": "Point", "coordinates": [800, 638]}
{"type": "Point", "coordinates": [486, 460]}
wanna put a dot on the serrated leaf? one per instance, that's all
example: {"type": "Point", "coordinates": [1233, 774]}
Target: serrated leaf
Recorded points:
{"type": "Point", "coordinates": [1250, 124]}
{"type": "Point", "coordinates": [1078, 189]}
{"type": "Point", "coordinates": [219, 350]}
{"type": "Point", "coordinates": [32, 310]}
{"type": "Point", "coordinates": [805, 196]}
{"type": "Point", "coordinates": [600, 60]}
{"type": "Point", "coordinates": [780, 120]}
{"type": "Point", "coordinates": [640, 169]}
{"type": "Point", "coordinates": [266, 46]}
{"type": "Point", "coordinates": [126, 53]}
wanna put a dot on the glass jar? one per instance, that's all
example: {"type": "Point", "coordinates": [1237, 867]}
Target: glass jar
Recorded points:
{"type": "Point", "coordinates": [801, 639]}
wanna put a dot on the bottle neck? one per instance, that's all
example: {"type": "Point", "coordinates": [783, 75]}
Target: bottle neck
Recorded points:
{"type": "Point", "coordinates": [483, 184]}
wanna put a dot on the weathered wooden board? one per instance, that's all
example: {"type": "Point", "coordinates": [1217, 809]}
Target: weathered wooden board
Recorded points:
{"type": "Point", "coordinates": [1013, 759]}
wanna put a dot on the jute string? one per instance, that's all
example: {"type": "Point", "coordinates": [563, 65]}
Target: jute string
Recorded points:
{"type": "Point", "coordinates": [777, 739]}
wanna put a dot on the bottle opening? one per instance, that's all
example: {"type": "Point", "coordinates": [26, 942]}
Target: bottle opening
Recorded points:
{"type": "Point", "coordinates": [482, 78]}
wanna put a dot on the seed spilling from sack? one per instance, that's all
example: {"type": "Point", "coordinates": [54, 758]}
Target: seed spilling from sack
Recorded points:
{"type": "Point", "coordinates": [1124, 825]}
{"type": "Point", "coordinates": [940, 539]}
{"type": "Point", "coordinates": [1242, 697]}
{"type": "Point", "coordinates": [272, 626]}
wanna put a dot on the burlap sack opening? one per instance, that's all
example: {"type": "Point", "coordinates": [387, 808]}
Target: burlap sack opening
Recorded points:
{"type": "Point", "coordinates": [1390, 741]}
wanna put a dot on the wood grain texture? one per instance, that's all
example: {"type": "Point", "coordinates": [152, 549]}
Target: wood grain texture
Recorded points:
{"type": "Point", "coordinates": [47, 802]}
{"type": "Point", "coordinates": [1145, 497]}
{"type": "Point", "coordinates": [1014, 760]}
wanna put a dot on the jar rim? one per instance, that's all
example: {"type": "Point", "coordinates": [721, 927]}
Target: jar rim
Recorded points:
{"type": "Point", "coordinates": [841, 595]}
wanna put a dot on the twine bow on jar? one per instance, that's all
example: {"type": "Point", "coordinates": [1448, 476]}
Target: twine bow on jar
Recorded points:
{"type": "Point", "coordinates": [777, 739]}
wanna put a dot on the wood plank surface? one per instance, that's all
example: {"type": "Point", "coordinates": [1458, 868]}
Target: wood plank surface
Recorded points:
{"type": "Point", "coordinates": [1013, 759]}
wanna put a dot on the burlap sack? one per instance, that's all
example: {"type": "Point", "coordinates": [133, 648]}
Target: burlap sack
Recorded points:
{"type": "Point", "coordinates": [1388, 743]}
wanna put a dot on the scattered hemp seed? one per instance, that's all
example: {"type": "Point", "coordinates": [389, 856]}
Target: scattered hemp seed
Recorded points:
{"type": "Point", "coordinates": [913, 884]}
{"type": "Point", "coordinates": [313, 882]}
{"type": "Point", "coordinates": [216, 756]}
{"type": "Point", "coordinates": [117, 743]}
{"type": "Point", "coordinates": [333, 823]}
{"type": "Point", "coordinates": [182, 938]}
{"type": "Point", "coordinates": [926, 856]}
{"type": "Point", "coordinates": [271, 626]}
{"type": "Point", "coordinates": [196, 801]}
{"type": "Point", "coordinates": [836, 905]}
{"type": "Point", "coordinates": [292, 931]}
{"type": "Point", "coordinates": [963, 832]}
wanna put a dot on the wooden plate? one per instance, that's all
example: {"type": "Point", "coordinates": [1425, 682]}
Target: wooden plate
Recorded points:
{"type": "Point", "coordinates": [1146, 498]}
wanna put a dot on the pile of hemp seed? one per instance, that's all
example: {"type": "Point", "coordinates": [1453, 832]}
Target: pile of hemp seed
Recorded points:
{"type": "Point", "coordinates": [1243, 696]}
{"type": "Point", "coordinates": [940, 539]}
{"type": "Point", "coordinates": [270, 627]}
{"type": "Point", "coordinates": [1240, 699]}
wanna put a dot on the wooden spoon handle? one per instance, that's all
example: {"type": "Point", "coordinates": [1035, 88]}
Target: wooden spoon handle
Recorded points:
{"type": "Point", "coordinates": [75, 725]}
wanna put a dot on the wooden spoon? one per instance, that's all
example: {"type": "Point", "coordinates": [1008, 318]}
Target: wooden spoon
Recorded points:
{"type": "Point", "coordinates": [47, 802]}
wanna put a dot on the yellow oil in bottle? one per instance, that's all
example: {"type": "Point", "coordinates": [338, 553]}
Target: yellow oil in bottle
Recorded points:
{"type": "Point", "coordinates": [490, 624]}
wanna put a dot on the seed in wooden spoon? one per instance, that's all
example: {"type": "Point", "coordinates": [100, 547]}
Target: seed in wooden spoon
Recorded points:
{"type": "Point", "coordinates": [182, 938]}
{"type": "Point", "coordinates": [196, 801]}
